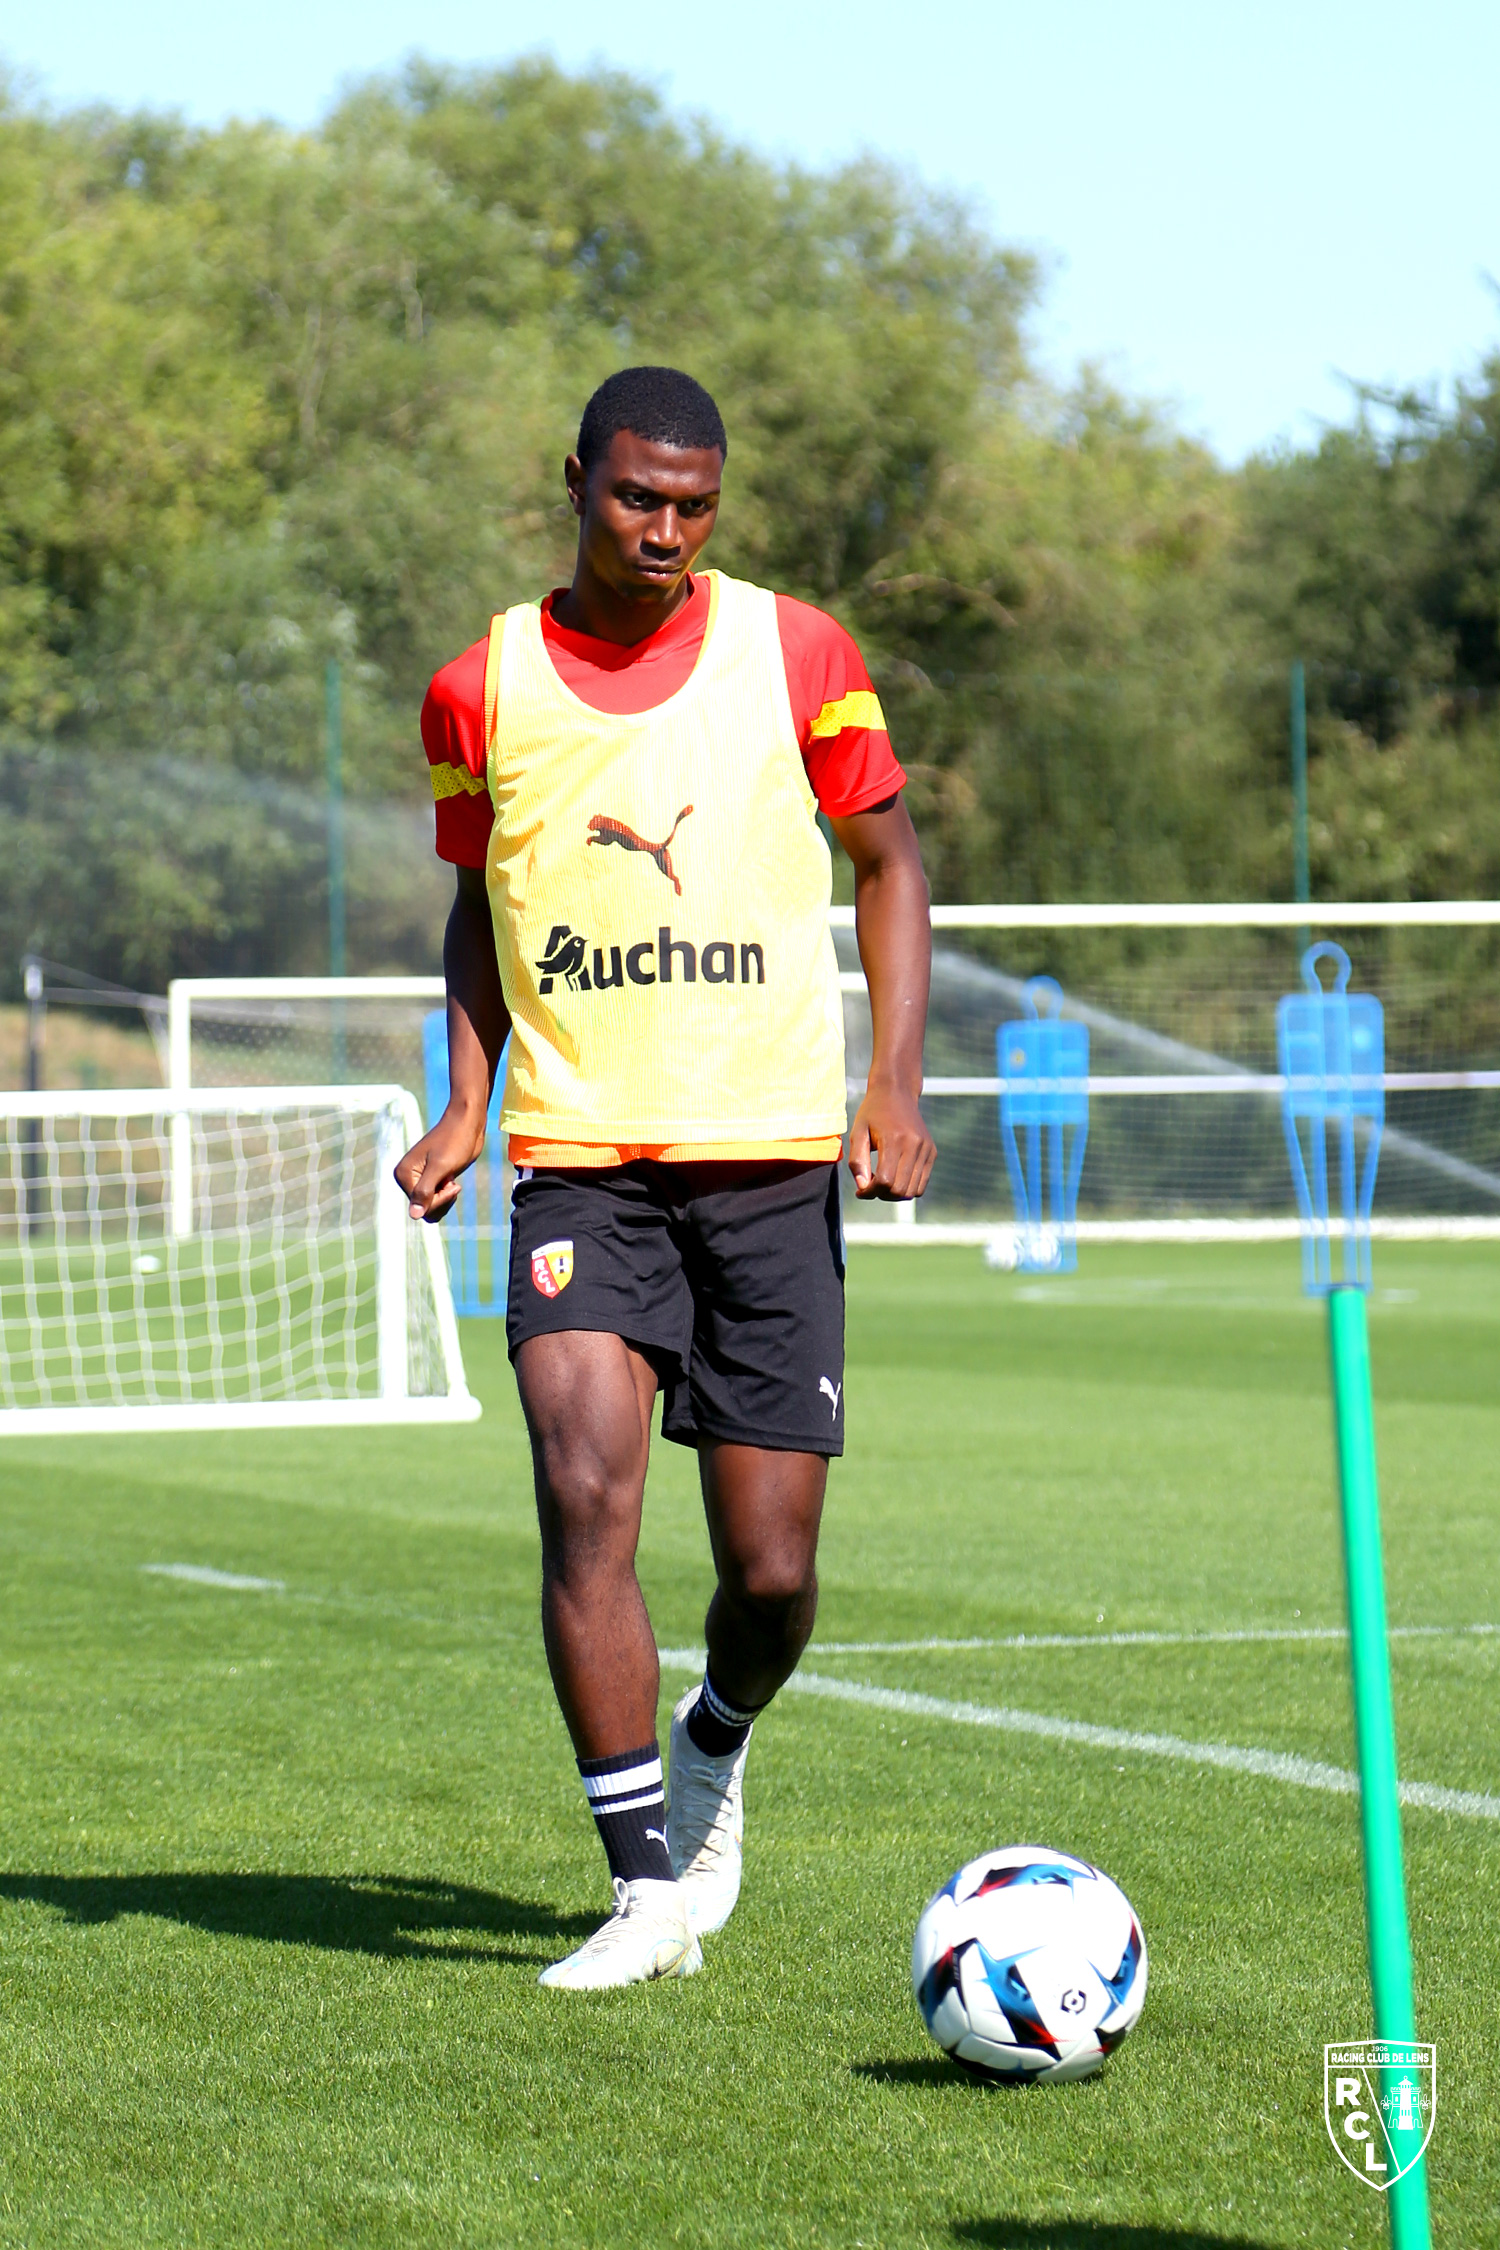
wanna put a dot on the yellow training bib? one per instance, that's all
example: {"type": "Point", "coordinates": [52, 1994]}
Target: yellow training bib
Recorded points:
{"type": "Point", "coordinates": [660, 887]}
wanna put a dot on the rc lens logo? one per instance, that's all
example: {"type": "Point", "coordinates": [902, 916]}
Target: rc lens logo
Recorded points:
{"type": "Point", "coordinates": [552, 1267]}
{"type": "Point", "coordinates": [1379, 2103]}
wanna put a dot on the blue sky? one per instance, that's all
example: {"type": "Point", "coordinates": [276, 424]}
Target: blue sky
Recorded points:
{"type": "Point", "coordinates": [1237, 206]}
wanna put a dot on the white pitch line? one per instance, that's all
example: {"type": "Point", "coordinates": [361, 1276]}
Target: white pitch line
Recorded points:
{"type": "Point", "coordinates": [199, 1574]}
{"type": "Point", "coordinates": [1143, 1640]}
{"type": "Point", "coordinates": [1271, 1765]}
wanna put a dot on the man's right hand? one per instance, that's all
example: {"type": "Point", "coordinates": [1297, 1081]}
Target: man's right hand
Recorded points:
{"type": "Point", "coordinates": [428, 1174]}
{"type": "Point", "coordinates": [478, 1025]}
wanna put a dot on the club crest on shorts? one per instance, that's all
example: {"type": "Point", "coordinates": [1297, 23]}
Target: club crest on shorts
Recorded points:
{"type": "Point", "coordinates": [1379, 2103]}
{"type": "Point", "coordinates": [552, 1267]}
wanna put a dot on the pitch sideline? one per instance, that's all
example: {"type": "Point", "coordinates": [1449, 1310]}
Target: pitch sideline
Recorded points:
{"type": "Point", "coordinates": [1147, 1639]}
{"type": "Point", "coordinates": [1270, 1765]}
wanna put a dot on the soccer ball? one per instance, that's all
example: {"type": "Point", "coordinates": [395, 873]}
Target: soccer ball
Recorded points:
{"type": "Point", "coordinates": [1029, 1964]}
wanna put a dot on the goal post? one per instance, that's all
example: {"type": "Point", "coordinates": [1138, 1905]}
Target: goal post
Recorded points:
{"type": "Point", "coordinates": [1179, 999]}
{"type": "Point", "coordinates": [211, 1259]}
{"type": "Point", "coordinates": [223, 1031]}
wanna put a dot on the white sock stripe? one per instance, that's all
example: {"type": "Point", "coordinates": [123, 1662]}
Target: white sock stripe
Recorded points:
{"type": "Point", "coordinates": [604, 1811]}
{"type": "Point", "coordinates": [626, 1782]}
{"type": "Point", "coordinates": [725, 1713]}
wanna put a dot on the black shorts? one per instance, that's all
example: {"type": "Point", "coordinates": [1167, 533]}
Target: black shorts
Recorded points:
{"type": "Point", "coordinates": [729, 1277]}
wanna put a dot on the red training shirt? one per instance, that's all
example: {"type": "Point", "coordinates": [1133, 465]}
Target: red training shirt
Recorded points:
{"type": "Point", "coordinates": [840, 726]}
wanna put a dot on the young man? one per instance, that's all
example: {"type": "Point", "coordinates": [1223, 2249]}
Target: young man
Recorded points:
{"type": "Point", "coordinates": [627, 777]}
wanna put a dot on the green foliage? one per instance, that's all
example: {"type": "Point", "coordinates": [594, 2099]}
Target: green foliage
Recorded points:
{"type": "Point", "coordinates": [1378, 557]}
{"type": "Point", "coordinates": [269, 397]}
{"type": "Point", "coordinates": [1415, 817]}
{"type": "Point", "coordinates": [153, 867]}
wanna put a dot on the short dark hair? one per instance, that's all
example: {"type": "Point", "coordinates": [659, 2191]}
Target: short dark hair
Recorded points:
{"type": "Point", "coordinates": [660, 404]}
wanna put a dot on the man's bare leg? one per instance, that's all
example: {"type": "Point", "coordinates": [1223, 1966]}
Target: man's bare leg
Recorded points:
{"type": "Point", "coordinates": [764, 1509]}
{"type": "Point", "coordinates": [587, 1400]}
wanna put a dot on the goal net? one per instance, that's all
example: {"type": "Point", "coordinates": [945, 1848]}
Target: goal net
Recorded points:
{"type": "Point", "coordinates": [300, 1031]}
{"type": "Point", "coordinates": [212, 1260]}
{"type": "Point", "coordinates": [1185, 1137]}
{"type": "Point", "coordinates": [234, 1031]}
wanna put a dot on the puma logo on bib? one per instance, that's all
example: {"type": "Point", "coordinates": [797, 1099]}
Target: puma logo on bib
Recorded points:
{"type": "Point", "coordinates": [604, 830]}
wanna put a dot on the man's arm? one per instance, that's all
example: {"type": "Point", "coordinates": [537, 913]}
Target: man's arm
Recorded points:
{"type": "Point", "coordinates": [890, 1148]}
{"type": "Point", "coordinates": [478, 1022]}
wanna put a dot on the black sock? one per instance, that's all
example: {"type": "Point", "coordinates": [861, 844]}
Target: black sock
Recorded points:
{"type": "Point", "coordinates": [629, 1806]}
{"type": "Point", "coordinates": [715, 1725]}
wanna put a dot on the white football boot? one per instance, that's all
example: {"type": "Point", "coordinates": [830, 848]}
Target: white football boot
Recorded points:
{"type": "Point", "coordinates": [646, 1936]}
{"type": "Point", "coordinates": [705, 1823]}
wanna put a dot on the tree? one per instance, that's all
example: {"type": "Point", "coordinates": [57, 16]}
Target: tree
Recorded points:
{"type": "Point", "coordinates": [272, 397]}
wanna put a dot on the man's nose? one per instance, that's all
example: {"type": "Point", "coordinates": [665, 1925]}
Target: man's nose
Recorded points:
{"type": "Point", "coordinates": [664, 530]}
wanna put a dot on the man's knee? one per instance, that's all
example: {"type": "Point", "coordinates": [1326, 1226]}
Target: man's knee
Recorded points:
{"type": "Point", "coordinates": [772, 1586]}
{"type": "Point", "coordinates": [586, 1502]}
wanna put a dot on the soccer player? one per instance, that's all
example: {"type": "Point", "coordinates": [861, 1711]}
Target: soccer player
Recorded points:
{"type": "Point", "coordinates": [627, 777]}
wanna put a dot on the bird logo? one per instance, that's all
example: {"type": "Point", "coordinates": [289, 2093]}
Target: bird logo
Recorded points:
{"type": "Point", "coordinates": [604, 830]}
{"type": "Point", "coordinates": [564, 958]}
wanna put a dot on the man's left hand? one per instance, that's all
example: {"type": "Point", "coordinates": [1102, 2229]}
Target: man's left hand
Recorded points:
{"type": "Point", "coordinates": [891, 1151]}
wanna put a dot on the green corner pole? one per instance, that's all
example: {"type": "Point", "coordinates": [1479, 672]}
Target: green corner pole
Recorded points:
{"type": "Point", "coordinates": [1374, 1725]}
{"type": "Point", "coordinates": [337, 910]}
{"type": "Point", "coordinates": [1301, 883]}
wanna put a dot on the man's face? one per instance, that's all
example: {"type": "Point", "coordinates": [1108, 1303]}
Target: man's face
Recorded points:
{"type": "Point", "coordinates": [645, 513]}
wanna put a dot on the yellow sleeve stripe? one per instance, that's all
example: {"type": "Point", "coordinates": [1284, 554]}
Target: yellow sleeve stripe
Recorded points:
{"type": "Point", "coordinates": [860, 709]}
{"type": "Point", "coordinates": [457, 781]}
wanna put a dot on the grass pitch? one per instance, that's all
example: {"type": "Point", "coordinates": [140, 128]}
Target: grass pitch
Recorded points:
{"type": "Point", "coordinates": [280, 1864]}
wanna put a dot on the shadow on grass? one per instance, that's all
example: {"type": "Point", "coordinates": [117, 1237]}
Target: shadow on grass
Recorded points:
{"type": "Point", "coordinates": [942, 2070]}
{"type": "Point", "coordinates": [394, 1917]}
{"type": "Point", "coordinates": [1091, 2234]}
{"type": "Point", "coordinates": [923, 2070]}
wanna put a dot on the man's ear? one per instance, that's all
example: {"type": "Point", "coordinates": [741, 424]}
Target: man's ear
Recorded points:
{"type": "Point", "coordinates": [575, 477]}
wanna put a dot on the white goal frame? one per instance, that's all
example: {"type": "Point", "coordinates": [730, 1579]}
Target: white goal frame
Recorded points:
{"type": "Point", "coordinates": [906, 1228]}
{"type": "Point", "coordinates": [908, 1231]}
{"type": "Point", "coordinates": [398, 1124]}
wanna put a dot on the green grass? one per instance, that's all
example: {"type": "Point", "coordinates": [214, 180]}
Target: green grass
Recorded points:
{"type": "Point", "coordinates": [151, 1321]}
{"type": "Point", "coordinates": [280, 1869]}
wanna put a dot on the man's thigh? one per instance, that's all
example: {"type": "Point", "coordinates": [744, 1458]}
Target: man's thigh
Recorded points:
{"type": "Point", "coordinates": [587, 1398]}
{"type": "Point", "coordinates": [597, 1251]}
{"type": "Point", "coordinates": [763, 1252]}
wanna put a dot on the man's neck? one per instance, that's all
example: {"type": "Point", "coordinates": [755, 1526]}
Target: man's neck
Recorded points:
{"type": "Point", "coordinates": [590, 606]}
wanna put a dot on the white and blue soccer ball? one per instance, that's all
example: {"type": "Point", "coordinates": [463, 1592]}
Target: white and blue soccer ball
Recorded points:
{"type": "Point", "coordinates": [1029, 1964]}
